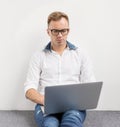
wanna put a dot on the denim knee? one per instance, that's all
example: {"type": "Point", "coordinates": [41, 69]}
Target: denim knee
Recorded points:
{"type": "Point", "coordinates": [73, 118]}
{"type": "Point", "coordinates": [50, 121]}
{"type": "Point", "coordinates": [76, 114]}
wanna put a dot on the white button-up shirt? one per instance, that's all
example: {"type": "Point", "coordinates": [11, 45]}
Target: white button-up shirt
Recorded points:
{"type": "Point", "coordinates": [48, 68]}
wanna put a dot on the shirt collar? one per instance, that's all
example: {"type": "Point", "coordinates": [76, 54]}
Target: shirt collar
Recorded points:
{"type": "Point", "coordinates": [69, 45]}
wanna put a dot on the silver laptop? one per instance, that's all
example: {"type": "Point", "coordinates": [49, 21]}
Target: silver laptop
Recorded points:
{"type": "Point", "coordinates": [74, 96]}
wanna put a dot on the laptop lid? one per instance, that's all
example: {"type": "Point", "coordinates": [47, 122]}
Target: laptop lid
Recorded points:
{"type": "Point", "coordinates": [74, 96]}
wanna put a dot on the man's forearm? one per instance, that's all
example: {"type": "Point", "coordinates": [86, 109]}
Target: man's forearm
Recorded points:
{"type": "Point", "coordinates": [35, 96]}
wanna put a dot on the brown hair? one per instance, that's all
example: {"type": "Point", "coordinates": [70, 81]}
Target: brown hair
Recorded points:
{"type": "Point", "coordinates": [57, 15]}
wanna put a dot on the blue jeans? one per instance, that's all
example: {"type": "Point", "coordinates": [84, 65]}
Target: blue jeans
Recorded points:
{"type": "Point", "coordinates": [71, 118]}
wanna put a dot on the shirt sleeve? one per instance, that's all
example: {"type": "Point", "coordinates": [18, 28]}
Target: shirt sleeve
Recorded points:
{"type": "Point", "coordinates": [86, 71]}
{"type": "Point", "coordinates": [33, 75]}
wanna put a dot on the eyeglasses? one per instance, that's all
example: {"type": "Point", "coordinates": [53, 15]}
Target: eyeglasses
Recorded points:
{"type": "Point", "coordinates": [56, 32]}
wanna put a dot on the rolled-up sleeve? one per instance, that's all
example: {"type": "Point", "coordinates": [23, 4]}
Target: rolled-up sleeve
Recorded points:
{"type": "Point", "coordinates": [33, 75]}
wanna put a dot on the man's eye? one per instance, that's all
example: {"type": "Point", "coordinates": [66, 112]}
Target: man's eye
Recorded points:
{"type": "Point", "coordinates": [63, 31]}
{"type": "Point", "coordinates": [55, 31]}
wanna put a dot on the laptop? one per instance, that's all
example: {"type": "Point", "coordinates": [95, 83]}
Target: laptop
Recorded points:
{"type": "Point", "coordinates": [80, 96]}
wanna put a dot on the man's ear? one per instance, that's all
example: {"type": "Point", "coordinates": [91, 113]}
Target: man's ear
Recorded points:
{"type": "Point", "coordinates": [48, 32]}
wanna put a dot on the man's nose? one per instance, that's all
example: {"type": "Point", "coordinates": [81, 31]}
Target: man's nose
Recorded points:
{"type": "Point", "coordinates": [59, 34]}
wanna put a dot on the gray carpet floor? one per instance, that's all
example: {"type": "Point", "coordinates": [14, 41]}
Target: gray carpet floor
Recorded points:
{"type": "Point", "coordinates": [26, 119]}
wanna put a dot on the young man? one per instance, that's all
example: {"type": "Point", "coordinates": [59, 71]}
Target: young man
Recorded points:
{"type": "Point", "coordinates": [59, 63]}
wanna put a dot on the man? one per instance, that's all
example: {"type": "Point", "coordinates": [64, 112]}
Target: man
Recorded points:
{"type": "Point", "coordinates": [59, 63]}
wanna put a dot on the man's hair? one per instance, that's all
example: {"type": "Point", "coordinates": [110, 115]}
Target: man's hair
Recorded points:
{"type": "Point", "coordinates": [57, 15]}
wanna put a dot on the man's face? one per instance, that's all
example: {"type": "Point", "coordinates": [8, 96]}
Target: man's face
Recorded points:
{"type": "Point", "coordinates": [58, 31]}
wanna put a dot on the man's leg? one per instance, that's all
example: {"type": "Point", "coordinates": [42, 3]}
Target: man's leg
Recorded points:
{"type": "Point", "coordinates": [44, 121]}
{"type": "Point", "coordinates": [73, 118]}
{"type": "Point", "coordinates": [50, 121]}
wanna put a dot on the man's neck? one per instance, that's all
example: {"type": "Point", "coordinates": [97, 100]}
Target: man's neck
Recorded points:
{"type": "Point", "coordinates": [59, 49]}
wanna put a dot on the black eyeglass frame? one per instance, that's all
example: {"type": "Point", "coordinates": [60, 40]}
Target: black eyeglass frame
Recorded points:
{"type": "Point", "coordinates": [56, 32]}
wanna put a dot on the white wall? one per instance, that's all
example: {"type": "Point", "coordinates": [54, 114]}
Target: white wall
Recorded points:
{"type": "Point", "coordinates": [95, 26]}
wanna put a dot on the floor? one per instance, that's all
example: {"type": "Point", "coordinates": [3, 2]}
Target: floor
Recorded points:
{"type": "Point", "coordinates": [26, 119]}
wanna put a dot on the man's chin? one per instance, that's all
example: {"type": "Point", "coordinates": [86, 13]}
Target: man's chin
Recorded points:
{"type": "Point", "coordinates": [60, 42]}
